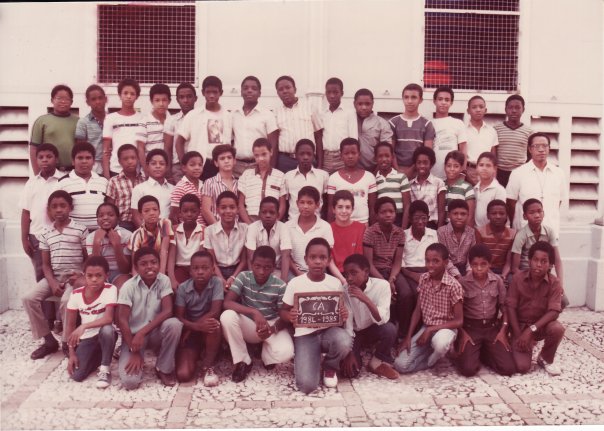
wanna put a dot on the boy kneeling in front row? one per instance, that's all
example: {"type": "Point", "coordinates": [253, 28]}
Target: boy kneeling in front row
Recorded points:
{"type": "Point", "coordinates": [534, 302]}
{"type": "Point", "coordinates": [370, 306]}
{"type": "Point", "coordinates": [145, 320]}
{"type": "Point", "coordinates": [252, 315]}
{"type": "Point", "coordinates": [440, 310]}
{"type": "Point", "coordinates": [91, 344]}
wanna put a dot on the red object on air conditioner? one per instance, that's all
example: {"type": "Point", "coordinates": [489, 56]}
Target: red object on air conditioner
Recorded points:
{"type": "Point", "coordinates": [436, 73]}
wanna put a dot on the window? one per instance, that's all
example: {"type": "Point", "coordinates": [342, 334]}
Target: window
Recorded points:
{"type": "Point", "coordinates": [150, 43]}
{"type": "Point", "coordinates": [471, 44]}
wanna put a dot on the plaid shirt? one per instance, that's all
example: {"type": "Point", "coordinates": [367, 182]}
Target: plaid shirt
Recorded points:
{"type": "Point", "coordinates": [428, 192]}
{"type": "Point", "coordinates": [120, 190]}
{"type": "Point", "coordinates": [458, 250]}
{"type": "Point", "coordinates": [437, 302]}
{"type": "Point", "coordinates": [212, 187]}
{"type": "Point", "coordinates": [143, 238]}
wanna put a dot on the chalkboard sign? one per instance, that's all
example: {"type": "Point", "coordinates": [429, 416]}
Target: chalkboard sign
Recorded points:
{"type": "Point", "coordinates": [318, 309]}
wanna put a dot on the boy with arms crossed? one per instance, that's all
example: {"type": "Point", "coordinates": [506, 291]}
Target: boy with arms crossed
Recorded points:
{"type": "Point", "coordinates": [252, 316]}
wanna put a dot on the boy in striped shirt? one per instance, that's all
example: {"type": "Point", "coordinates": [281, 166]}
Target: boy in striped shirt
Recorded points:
{"type": "Point", "coordinates": [63, 249]}
{"type": "Point", "coordinates": [392, 183]}
{"type": "Point", "coordinates": [151, 135]}
{"type": "Point", "coordinates": [457, 187]}
{"type": "Point", "coordinates": [87, 188]}
{"type": "Point", "coordinates": [252, 315]}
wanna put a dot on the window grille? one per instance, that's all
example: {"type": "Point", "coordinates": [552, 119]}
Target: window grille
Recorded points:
{"type": "Point", "coordinates": [150, 43]}
{"type": "Point", "coordinates": [471, 44]}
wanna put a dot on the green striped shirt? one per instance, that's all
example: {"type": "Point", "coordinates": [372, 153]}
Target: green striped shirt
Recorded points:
{"type": "Point", "coordinates": [460, 190]}
{"type": "Point", "coordinates": [393, 186]}
{"type": "Point", "coordinates": [267, 298]}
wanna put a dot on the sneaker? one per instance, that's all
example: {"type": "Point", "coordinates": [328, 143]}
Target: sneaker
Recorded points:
{"type": "Point", "coordinates": [552, 369]}
{"type": "Point", "coordinates": [269, 367]}
{"type": "Point", "coordinates": [385, 370]}
{"type": "Point", "coordinates": [44, 350]}
{"type": "Point", "coordinates": [241, 371]}
{"type": "Point", "coordinates": [166, 379]}
{"type": "Point", "coordinates": [330, 378]}
{"type": "Point", "coordinates": [209, 377]}
{"type": "Point", "coordinates": [104, 379]}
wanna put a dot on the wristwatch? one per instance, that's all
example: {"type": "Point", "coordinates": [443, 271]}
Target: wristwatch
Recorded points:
{"type": "Point", "coordinates": [533, 328]}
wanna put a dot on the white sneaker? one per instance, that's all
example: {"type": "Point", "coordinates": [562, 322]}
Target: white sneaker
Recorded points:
{"type": "Point", "coordinates": [330, 378]}
{"type": "Point", "coordinates": [104, 379]}
{"type": "Point", "coordinates": [552, 369]}
{"type": "Point", "coordinates": [210, 378]}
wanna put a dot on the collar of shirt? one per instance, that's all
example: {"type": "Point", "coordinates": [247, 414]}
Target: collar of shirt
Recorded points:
{"type": "Point", "coordinates": [392, 171]}
{"type": "Point", "coordinates": [220, 228]}
{"type": "Point", "coordinates": [186, 180]}
{"type": "Point", "coordinates": [190, 286]}
{"type": "Point", "coordinates": [257, 171]}
{"type": "Point", "coordinates": [142, 285]}
{"type": "Point", "coordinates": [180, 228]}
{"type": "Point", "coordinates": [56, 174]}
{"type": "Point", "coordinates": [429, 234]}
{"type": "Point", "coordinates": [534, 167]}
{"type": "Point", "coordinates": [329, 111]}
{"type": "Point", "coordinates": [527, 278]}
{"type": "Point", "coordinates": [447, 280]}
{"type": "Point", "coordinates": [154, 182]}
{"type": "Point", "coordinates": [542, 231]}
{"type": "Point", "coordinates": [491, 277]}
{"type": "Point", "coordinates": [242, 112]}
{"type": "Point", "coordinates": [507, 232]}
{"type": "Point", "coordinates": [73, 175]}
{"type": "Point", "coordinates": [294, 106]}
{"type": "Point", "coordinates": [91, 117]}
{"type": "Point", "coordinates": [484, 126]}
{"type": "Point", "coordinates": [493, 184]}
{"type": "Point", "coordinates": [297, 171]}
{"type": "Point", "coordinates": [429, 180]}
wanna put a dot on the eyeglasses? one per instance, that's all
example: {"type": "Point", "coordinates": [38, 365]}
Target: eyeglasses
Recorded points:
{"type": "Point", "coordinates": [540, 146]}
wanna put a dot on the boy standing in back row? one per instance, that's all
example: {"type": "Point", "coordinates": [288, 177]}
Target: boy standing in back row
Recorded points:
{"type": "Point", "coordinates": [410, 129]}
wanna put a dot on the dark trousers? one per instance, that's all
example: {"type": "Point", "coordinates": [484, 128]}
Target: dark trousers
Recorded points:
{"type": "Point", "coordinates": [383, 336]}
{"type": "Point", "coordinates": [495, 356]}
{"type": "Point", "coordinates": [285, 163]}
{"type": "Point", "coordinates": [209, 170]}
{"type": "Point", "coordinates": [95, 351]}
{"type": "Point", "coordinates": [551, 334]}
{"type": "Point", "coordinates": [462, 267]}
{"type": "Point", "coordinates": [503, 177]}
{"type": "Point", "coordinates": [404, 303]}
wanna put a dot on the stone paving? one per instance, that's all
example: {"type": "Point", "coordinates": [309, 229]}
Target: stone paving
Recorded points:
{"type": "Point", "coordinates": [39, 394]}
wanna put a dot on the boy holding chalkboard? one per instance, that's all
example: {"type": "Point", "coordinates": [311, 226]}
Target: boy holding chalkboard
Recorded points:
{"type": "Point", "coordinates": [310, 342]}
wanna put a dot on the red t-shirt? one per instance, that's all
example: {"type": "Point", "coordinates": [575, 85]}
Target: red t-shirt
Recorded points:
{"type": "Point", "coordinates": [347, 240]}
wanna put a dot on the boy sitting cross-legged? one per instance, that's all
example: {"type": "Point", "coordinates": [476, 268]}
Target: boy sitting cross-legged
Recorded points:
{"type": "Point", "coordinates": [309, 343]}
{"type": "Point", "coordinates": [145, 321]}
{"type": "Point", "coordinates": [92, 343]}
{"type": "Point", "coordinates": [439, 309]}
{"type": "Point", "coordinates": [370, 307]}
{"type": "Point", "coordinates": [252, 315]}
{"type": "Point", "coordinates": [197, 307]}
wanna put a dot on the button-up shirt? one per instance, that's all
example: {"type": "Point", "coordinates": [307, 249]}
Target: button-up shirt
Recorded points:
{"type": "Point", "coordinates": [378, 291]}
{"type": "Point", "coordinates": [480, 140]}
{"type": "Point", "coordinates": [532, 302]}
{"type": "Point", "coordinates": [428, 192]}
{"type": "Point", "coordinates": [294, 180]}
{"type": "Point", "coordinates": [372, 130]}
{"type": "Point", "coordinates": [437, 302]}
{"type": "Point", "coordinates": [482, 301]}
{"type": "Point", "coordinates": [255, 188]}
{"type": "Point", "coordinates": [384, 248]}
{"type": "Point", "coordinates": [458, 248]}
{"type": "Point", "coordinates": [259, 123]}
{"type": "Point", "coordinates": [227, 247]}
{"type": "Point", "coordinates": [90, 129]}
{"type": "Point", "coordinates": [276, 238]}
{"type": "Point", "coordinates": [549, 186]}
{"type": "Point", "coordinates": [34, 198]}
{"type": "Point", "coordinates": [186, 248]}
{"type": "Point", "coordinates": [414, 253]}
{"type": "Point", "coordinates": [295, 123]}
{"type": "Point", "coordinates": [142, 237]}
{"type": "Point", "coordinates": [525, 238]}
{"type": "Point", "coordinates": [144, 301]}
{"type": "Point", "coordinates": [337, 126]}
{"type": "Point", "coordinates": [196, 303]}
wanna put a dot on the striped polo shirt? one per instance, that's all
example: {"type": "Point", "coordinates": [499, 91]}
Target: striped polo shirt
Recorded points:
{"type": "Point", "coordinates": [393, 185]}
{"type": "Point", "coordinates": [267, 298]}
{"type": "Point", "coordinates": [66, 247]}
{"type": "Point", "coordinates": [87, 196]}
{"type": "Point", "coordinates": [511, 151]}
{"type": "Point", "coordinates": [460, 190]}
{"type": "Point", "coordinates": [409, 135]}
{"type": "Point", "coordinates": [255, 188]}
{"type": "Point", "coordinates": [186, 187]}
{"type": "Point", "coordinates": [213, 186]}
{"type": "Point", "coordinates": [152, 132]}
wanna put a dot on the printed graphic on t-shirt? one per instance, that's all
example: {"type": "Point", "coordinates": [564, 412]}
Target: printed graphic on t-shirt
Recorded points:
{"type": "Point", "coordinates": [215, 131]}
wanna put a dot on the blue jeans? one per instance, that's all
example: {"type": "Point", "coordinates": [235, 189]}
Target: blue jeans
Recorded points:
{"type": "Point", "coordinates": [422, 357]}
{"type": "Point", "coordinates": [285, 163]}
{"type": "Point", "coordinates": [334, 341]}
{"type": "Point", "coordinates": [163, 339]}
{"type": "Point", "coordinates": [95, 351]}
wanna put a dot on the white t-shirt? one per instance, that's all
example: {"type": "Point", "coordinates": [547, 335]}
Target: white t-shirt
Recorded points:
{"type": "Point", "coordinates": [170, 126]}
{"type": "Point", "coordinates": [302, 284]}
{"type": "Point", "coordinates": [121, 129]}
{"type": "Point", "coordinates": [300, 239]}
{"type": "Point", "coordinates": [204, 129]}
{"type": "Point", "coordinates": [450, 132]}
{"type": "Point", "coordinates": [480, 141]}
{"type": "Point", "coordinates": [34, 198]}
{"type": "Point", "coordinates": [360, 190]}
{"type": "Point", "coordinates": [94, 310]}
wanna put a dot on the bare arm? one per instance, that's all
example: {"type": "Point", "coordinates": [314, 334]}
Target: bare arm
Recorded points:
{"type": "Point", "coordinates": [371, 197]}
{"type": "Point", "coordinates": [275, 143]}
{"type": "Point", "coordinates": [441, 208]}
{"type": "Point", "coordinates": [107, 146]}
{"type": "Point", "coordinates": [319, 142]}
{"type": "Point", "coordinates": [206, 213]}
{"type": "Point", "coordinates": [406, 205]}
{"type": "Point", "coordinates": [25, 224]}
{"type": "Point", "coordinates": [330, 214]}
{"type": "Point", "coordinates": [373, 272]}
{"type": "Point", "coordinates": [471, 210]}
{"type": "Point", "coordinates": [34, 160]}
{"type": "Point", "coordinates": [243, 215]}
{"type": "Point", "coordinates": [179, 145]}
{"type": "Point", "coordinates": [511, 207]}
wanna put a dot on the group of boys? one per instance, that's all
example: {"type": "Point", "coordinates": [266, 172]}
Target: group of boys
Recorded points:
{"type": "Point", "coordinates": [181, 231]}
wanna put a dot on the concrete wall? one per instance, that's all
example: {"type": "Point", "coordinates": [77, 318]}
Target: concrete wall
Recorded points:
{"type": "Point", "coordinates": [377, 44]}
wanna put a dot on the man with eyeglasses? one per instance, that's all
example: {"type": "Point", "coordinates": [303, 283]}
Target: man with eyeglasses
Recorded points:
{"type": "Point", "coordinates": [57, 128]}
{"type": "Point", "coordinates": [539, 179]}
